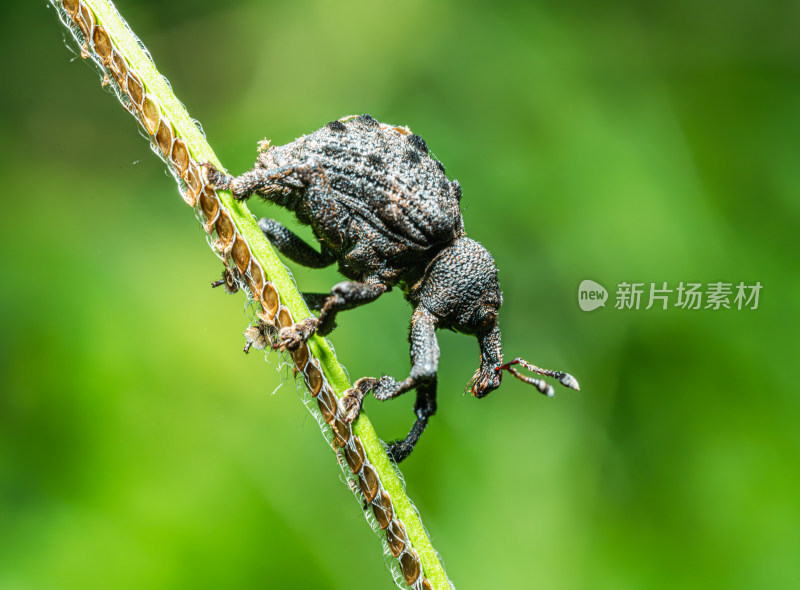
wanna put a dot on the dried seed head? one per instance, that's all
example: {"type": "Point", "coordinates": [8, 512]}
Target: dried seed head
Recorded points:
{"type": "Point", "coordinates": [327, 405]}
{"type": "Point", "coordinates": [300, 356]}
{"type": "Point", "coordinates": [256, 279]}
{"type": "Point", "coordinates": [409, 565]}
{"type": "Point", "coordinates": [119, 68]}
{"type": "Point", "coordinates": [314, 378]}
{"type": "Point", "coordinates": [224, 227]}
{"type": "Point", "coordinates": [355, 455]}
{"type": "Point", "coordinates": [241, 254]}
{"type": "Point", "coordinates": [368, 480]}
{"type": "Point", "coordinates": [102, 43]}
{"type": "Point", "coordinates": [164, 137]}
{"type": "Point", "coordinates": [341, 431]}
{"type": "Point", "coordinates": [152, 114]}
{"type": "Point", "coordinates": [284, 318]}
{"type": "Point", "coordinates": [270, 300]}
{"type": "Point", "coordinates": [382, 508]}
{"type": "Point", "coordinates": [85, 21]}
{"type": "Point", "coordinates": [209, 204]}
{"type": "Point", "coordinates": [190, 194]}
{"type": "Point", "coordinates": [396, 537]}
{"type": "Point", "coordinates": [180, 156]}
{"type": "Point", "coordinates": [135, 91]}
{"type": "Point", "coordinates": [71, 6]}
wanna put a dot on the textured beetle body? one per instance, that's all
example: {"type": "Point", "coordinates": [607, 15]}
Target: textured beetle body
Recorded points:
{"type": "Point", "coordinates": [382, 208]}
{"type": "Point", "coordinates": [384, 203]}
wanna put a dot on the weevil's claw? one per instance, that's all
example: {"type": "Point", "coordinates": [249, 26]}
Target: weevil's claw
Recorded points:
{"type": "Point", "coordinates": [216, 178]}
{"type": "Point", "coordinates": [351, 404]}
{"type": "Point", "coordinates": [399, 450]}
{"type": "Point", "coordinates": [291, 337]}
{"type": "Point", "coordinates": [353, 398]}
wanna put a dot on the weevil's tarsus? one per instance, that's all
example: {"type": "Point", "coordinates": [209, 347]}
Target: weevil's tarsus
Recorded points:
{"type": "Point", "coordinates": [343, 296]}
{"type": "Point", "coordinates": [424, 408]}
{"type": "Point", "coordinates": [353, 398]}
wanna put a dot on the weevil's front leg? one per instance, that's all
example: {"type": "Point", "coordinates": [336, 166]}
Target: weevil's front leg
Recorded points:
{"type": "Point", "coordinates": [259, 179]}
{"type": "Point", "coordinates": [344, 295]}
{"type": "Point", "coordinates": [424, 357]}
{"type": "Point", "coordinates": [294, 248]}
{"type": "Point", "coordinates": [424, 365]}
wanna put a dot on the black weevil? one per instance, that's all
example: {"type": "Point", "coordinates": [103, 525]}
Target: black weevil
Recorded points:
{"type": "Point", "coordinates": [382, 208]}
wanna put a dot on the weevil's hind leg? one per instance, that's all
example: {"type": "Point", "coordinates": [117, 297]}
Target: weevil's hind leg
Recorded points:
{"type": "Point", "coordinates": [344, 295]}
{"type": "Point", "coordinates": [294, 248]}
{"type": "Point", "coordinates": [424, 408]}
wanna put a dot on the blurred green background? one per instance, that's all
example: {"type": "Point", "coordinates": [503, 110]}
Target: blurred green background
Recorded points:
{"type": "Point", "coordinates": [616, 141]}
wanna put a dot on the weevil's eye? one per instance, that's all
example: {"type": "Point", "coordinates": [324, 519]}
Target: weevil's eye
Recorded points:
{"type": "Point", "coordinates": [488, 320]}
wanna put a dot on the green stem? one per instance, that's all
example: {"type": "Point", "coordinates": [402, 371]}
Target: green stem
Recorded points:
{"type": "Point", "coordinates": [127, 44]}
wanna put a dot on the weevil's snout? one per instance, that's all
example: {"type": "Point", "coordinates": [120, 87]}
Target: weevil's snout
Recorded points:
{"type": "Point", "coordinates": [486, 379]}
{"type": "Point", "coordinates": [488, 376]}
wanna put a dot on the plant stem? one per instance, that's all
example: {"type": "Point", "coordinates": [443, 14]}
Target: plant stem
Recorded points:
{"type": "Point", "coordinates": [107, 40]}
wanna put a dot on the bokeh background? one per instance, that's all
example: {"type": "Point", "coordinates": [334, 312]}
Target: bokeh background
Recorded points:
{"type": "Point", "coordinates": [616, 141]}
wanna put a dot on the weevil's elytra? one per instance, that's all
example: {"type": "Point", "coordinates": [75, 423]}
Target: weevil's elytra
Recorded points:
{"type": "Point", "coordinates": [382, 209]}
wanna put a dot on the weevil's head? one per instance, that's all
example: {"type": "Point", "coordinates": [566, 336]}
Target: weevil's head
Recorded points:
{"type": "Point", "coordinates": [460, 287]}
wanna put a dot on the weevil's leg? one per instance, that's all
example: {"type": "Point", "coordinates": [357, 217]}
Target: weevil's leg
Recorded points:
{"type": "Point", "coordinates": [353, 398]}
{"type": "Point", "coordinates": [424, 357]}
{"type": "Point", "coordinates": [424, 366]}
{"type": "Point", "coordinates": [344, 295]}
{"type": "Point", "coordinates": [424, 408]}
{"type": "Point", "coordinates": [315, 301]}
{"type": "Point", "coordinates": [259, 179]}
{"type": "Point", "coordinates": [294, 248]}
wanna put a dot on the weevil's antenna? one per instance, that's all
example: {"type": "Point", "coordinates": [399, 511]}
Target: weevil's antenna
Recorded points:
{"type": "Point", "coordinates": [543, 386]}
